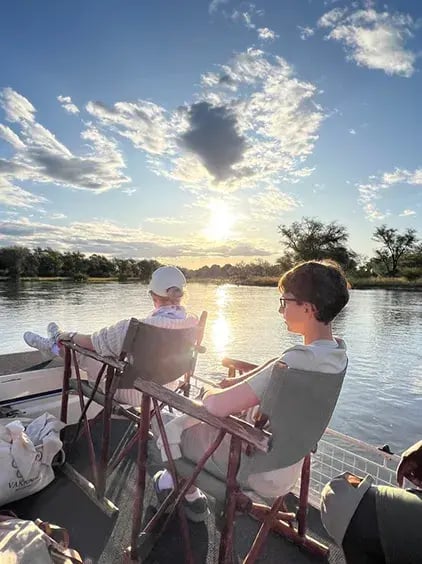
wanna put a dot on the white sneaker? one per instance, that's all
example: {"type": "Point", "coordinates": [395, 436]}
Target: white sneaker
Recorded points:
{"type": "Point", "coordinates": [43, 344]}
{"type": "Point", "coordinates": [53, 330]}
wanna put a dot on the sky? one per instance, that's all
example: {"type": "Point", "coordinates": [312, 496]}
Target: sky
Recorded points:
{"type": "Point", "coordinates": [188, 131]}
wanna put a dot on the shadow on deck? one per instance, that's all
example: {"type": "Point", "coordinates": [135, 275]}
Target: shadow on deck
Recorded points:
{"type": "Point", "coordinates": [103, 540]}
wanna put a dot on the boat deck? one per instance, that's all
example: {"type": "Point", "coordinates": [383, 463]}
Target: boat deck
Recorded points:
{"type": "Point", "coordinates": [103, 540]}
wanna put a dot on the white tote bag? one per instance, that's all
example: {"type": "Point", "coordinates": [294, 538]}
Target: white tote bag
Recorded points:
{"type": "Point", "coordinates": [26, 456]}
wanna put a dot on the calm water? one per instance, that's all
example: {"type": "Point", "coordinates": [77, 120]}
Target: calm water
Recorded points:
{"type": "Point", "coordinates": [381, 401]}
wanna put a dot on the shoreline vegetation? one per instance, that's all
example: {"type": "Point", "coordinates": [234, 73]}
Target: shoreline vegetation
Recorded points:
{"type": "Point", "coordinates": [385, 283]}
{"type": "Point", "coordinates": [397, 263]}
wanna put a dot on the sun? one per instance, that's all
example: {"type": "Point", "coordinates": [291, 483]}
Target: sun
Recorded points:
{"type": "Point", "coordinates": [221, 221]}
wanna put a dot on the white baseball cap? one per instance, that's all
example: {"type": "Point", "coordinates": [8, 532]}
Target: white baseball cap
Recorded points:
{"type": "Point", "coordinates": [166, 277]}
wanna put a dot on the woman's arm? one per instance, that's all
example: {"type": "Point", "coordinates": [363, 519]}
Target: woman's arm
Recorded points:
{"type": "Point", "coordinates": [78, 339]}
{"type": "Point", "coordinates": [241, 396]}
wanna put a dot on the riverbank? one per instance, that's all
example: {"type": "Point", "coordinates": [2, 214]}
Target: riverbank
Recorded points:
{"type": "Point", "coordinates": [356, 283]}
{"type": "Point", "coordinates": [269, 281]}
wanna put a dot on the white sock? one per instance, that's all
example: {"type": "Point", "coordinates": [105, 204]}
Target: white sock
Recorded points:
{"type": "Point", "coordinates": [166, 483]}
{"type": "Point", "coordinates": [194, 495]}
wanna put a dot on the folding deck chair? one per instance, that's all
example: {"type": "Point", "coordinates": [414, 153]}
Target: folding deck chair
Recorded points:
{"type": "Point", "coordinates": [148, 352]}
{"type": "Point", "coordinates": [298, 405]}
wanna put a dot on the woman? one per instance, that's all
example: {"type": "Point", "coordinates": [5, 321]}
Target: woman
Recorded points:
{"type": "Point", "coordinates": [166, 289]}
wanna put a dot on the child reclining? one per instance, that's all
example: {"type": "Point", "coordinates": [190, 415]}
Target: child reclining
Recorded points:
{"type": "Point", "coordinates": [313, 293]}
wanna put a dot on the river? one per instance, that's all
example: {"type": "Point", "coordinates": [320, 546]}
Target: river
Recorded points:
{"type": "Point", "coordinates": [381, 400]}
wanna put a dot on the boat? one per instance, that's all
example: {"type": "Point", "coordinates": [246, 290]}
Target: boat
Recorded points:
{"type": "Point", "coordinates": [30, 387]}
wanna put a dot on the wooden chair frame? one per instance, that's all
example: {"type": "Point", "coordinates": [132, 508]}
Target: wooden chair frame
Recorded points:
{"type": "Point", "coordinates": [113, 370]}
{"type": "Point", "coordinates": [277, 518]}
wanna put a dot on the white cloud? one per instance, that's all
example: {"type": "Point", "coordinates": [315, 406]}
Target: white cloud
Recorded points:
{"type": "Point", "coordinates": [41, 158]}
{"type": "Point", "coordinates": [373, 39]}
{"type": "Point", "coordinates": [371, 192]}
{"type": "Point", "coordinates": [266, 34]}
{"type": "Point", "coordinates": [164, 220]}
{"type": "Point", "coordinates": [402, 175]}
{"type": "Point", "coordinates": [406, 213]}
{"type": "Point", "coordinates": [272, 203]}
{"type": "Point", "coordinates": [10, 136]}
{"type": "Point", "coordinates": [67, 104]}
{"type": "Point", "coordinates": [15, 197]}
{"type": "Point", "coordinates": [215, 4]}
{"type": "Point", "coordinates": [110, 238]}
{"type": "Point", "coordinates": [252, 122]}
{"type": "Point", "coordinates": [352, 131]}
{"type": "Point", "coordinates": [246, 14]}
{"type": "Point", "coordinates": [331, 18]}
{"type": "Point", "coordinates": [144, 123]}
{"type": "Point", "coordinates": [16, 107]}
{"type": "Point", "coordinates": [244, 17]}
{"type": "Point", "coordinates": [305, 32]}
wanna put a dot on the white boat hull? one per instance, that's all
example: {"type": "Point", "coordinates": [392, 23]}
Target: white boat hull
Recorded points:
{"type": "Point", "coordinates": [26, 395]}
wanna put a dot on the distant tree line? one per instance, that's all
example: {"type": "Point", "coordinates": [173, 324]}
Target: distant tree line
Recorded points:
{"type": "Point", "coordinates": [17, 262]}
{"type": "Point", "coordinates": [398, 254]}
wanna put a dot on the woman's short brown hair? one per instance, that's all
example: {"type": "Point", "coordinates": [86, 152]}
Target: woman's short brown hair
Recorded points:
{"type": "Point", "coordinates": [321, 283]}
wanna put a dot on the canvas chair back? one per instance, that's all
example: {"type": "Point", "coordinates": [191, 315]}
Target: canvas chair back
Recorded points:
{"type": "Point", "coordinates": [157, 354]}
{"type": "Point", "coordinates": [299, 405]}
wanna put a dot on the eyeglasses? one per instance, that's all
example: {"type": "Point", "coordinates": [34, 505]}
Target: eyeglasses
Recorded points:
{"type": "Point", "coordinates": [283, 301]}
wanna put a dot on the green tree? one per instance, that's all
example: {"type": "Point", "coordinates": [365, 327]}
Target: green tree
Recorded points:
{"type": "Point", "coordinates": [394, 247]}
{"type": "Point", "coordinates": [311, 239]}
{"type": "Point", "coordinates": [13, 260]}
{"type": "Point", "coordinates": [285, 262]}
{"type": "Point", "coordinates": [100, 266]}
{"type": "Point", "coordinates": [74, 263]}
{"type": "Point", "coordinates": [49, 262]}
{"type": "Point", "coordinates": [146, 268]}
{"type": "Point", "coordinates": [413, 258]}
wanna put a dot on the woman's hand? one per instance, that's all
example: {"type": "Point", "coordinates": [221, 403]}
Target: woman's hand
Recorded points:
{"type": "Point", "coordinates": [65, 336]}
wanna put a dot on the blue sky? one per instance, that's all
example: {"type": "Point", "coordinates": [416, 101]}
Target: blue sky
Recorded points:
{"type": "Point", "coordinates": [188, 131]}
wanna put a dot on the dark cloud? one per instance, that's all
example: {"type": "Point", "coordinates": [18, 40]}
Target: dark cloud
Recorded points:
{"type": "Point", "coordinates": [226, 79]}
{"type": "Point", "coordinates": [214, 137]}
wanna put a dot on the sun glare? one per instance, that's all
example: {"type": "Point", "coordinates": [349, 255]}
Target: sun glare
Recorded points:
{"type": "Point", "coordinates": [220, 222]}
{"type": "Point", "coordinates": [220, 335]}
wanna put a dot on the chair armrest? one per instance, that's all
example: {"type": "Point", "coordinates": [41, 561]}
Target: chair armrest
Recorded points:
{"type": "Point", "coordinates": [109, 360]}
{"type": "Point", "coordinates": [236, 427]}
{"type": "Point", "coordinates": [240, 365]}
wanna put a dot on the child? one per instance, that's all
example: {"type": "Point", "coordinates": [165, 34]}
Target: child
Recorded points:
{"type": "Point", "coordinates": [312, 294]}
